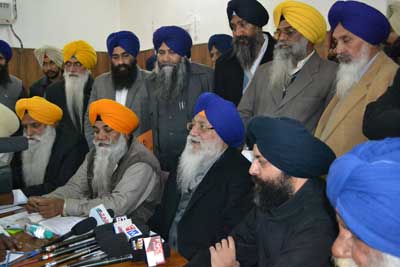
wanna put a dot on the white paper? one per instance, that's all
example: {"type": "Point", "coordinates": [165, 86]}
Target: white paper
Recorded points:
{"type": "Point", "coordinates": [11, 257]}
{"type": "Point", "coordinates": [11, 208]}
{"type": "Point", "coordinates": [60, 225]}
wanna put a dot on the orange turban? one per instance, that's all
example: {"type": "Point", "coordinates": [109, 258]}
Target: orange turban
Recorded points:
{"type": "Point", "coordinates": [116, 116]}
{"type": "Point", "coordinates": [39, 109]}
{"type": "Point", "coordinates": [83, 52]}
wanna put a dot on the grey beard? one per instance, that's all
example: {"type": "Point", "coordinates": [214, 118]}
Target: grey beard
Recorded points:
{"type": "Point", "coordinates": [382, 260]}
{"type": "Point", "coordinates": [171, 80]}
{"type": "Point", "coordinates": [74, 87]}
{"type": "Point", "coordinates": [247, 53]}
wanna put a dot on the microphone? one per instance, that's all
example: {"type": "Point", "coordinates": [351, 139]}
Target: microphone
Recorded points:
{"type": "Point", "coordinates": [108, 261]}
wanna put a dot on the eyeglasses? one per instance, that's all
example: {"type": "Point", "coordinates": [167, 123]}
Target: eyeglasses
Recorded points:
{"type": "Point", "coordinates": [289, 32]}
{"type": "Point", "coordinates": [76, 64]}
{"type": "Point", "coordinates": [202, 127]}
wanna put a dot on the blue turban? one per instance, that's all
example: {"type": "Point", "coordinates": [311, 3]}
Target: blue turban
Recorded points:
{"type": "Point", "coordinates": [175, 38]}
{"type": "Point", "coordinates": [222, 42]}
{"type": "Point", "coordinates": [125, 39]}
{"type": "Point", "coordinates": [289, 146]}
{"type": "Point", "coordinates": [223, 116]}
{"type": "Point", "coordinates": [6, 50]}
{"type": "Point", "coordinates": [360, 19]}
{"type": "Point", "coordinates": [364, 187]}
{"type": "Point", "coordinates": [150, 61]}
{"type": "Point", "coordinates": [249, 10]}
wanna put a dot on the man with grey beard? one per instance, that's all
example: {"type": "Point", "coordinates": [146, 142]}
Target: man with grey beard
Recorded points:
{"type": "Point", "coordinates": [364, 73]}
{"type": "Point", "coordinates": [251, 48]}
{"type": "Point", "coordinates": [118, 172]}
{"type": "Point", "coordinates": [173, 88]}
{"type": "Point", "coordinates": [298, 83]}
{"type": "Point", "coordinates": [211, 173]}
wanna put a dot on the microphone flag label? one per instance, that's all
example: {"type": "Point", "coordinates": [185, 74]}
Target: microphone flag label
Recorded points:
{"type": "Point", "coordinates": [101, 215]}
{"type": "Point", "coordinates": [154, 250]}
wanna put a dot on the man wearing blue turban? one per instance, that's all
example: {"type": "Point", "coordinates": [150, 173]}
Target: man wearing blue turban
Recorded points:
{"type": "Point", "coordinates": [291, 223]}
{"type": "Point", "coordinates": [218, 44]}
{"type": "Point", "coordinates": [11, 88]}
{"type": "Point", "coordinates": [173, 89]}
{"type": "Point", "coordinates": [364, 73]}
{"type": "Point", "coordinates": [125, 83]}
{"type": "Point", "coordinates": [364, 188]}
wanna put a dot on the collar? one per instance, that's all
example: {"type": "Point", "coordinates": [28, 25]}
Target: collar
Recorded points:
{"type": "Point", "coordinates": [366, 67]}
{"type": "Point", "coordinates": [301, 63]}
{"type": "Point", "coordinates": [260, 55]}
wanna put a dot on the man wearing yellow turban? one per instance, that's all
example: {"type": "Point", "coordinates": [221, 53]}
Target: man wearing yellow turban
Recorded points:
{"type": "Point", "coordinates": [118, 172]}
{"type": "Point", "coordinates": [298, 82]}
{"type": "Point", "coordinates": [72, 94]}
{"type": "Point", "coordinates": [53, 156]}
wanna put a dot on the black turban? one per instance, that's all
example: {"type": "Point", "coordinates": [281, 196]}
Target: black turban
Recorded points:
{"type": "Point", "coordinates": [289, 146]}
{"type": "Point", "coordinates": [249, 10]}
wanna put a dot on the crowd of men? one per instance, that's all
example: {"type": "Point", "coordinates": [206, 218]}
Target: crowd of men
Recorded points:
{"type": "Point", "coordinates": [263, 161]}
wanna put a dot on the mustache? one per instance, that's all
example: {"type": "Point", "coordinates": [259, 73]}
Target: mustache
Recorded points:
{"type": "Point", "coordinates": [343, 58]}
{"type": "Point", "coordinates": [163, 65]}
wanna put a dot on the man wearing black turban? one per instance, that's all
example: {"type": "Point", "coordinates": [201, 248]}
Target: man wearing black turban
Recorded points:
{"type": "Point", "coordinates": [251, 48]}
{"type": "Point", "coordinates": [291, 224]}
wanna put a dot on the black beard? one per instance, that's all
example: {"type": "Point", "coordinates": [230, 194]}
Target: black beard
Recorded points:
{"type": "Point", "coordinates": [246, 49]}
{"type": "Point", "coordinates": [4, 75]}
{"type": "Point", "coordinates": [272, 194]}
{"type": "Point", "coordinates": [124, 78]}
{"type": "Point", "coordinates": [51, 75]}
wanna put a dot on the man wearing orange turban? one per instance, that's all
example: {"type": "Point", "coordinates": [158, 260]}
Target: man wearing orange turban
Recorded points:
{"type": "Point", "coordinates": [53, 156]}
{"type": "Point", "coordinates": [118, 172]}
{"type": "Point", "coordinates": [297, 83]}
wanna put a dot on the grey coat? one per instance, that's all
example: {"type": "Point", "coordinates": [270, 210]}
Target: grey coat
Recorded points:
{"type": "Point", "coordinates": [306, 97]}
{"type": "Point", "coordinates": [136, 100]}
{"type": "Point", "coordinates": [11, 92]}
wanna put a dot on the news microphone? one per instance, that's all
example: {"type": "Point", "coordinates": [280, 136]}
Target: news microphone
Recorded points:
{"type": "Point", "coordinates": [68, 250]}
{"type": "Point", "coordinates": [108, 261]}
{"type": "Point", "coordinates": [75, 255]}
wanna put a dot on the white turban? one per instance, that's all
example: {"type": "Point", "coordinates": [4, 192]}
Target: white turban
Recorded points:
{"type": "Point", "coordinates": [53, 53]}
{"type": "Point", "coordinates": [9, 122]}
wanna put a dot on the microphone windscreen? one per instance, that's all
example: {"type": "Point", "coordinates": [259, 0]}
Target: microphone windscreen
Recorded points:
{"type": "Point", "coordinates": [84, 226]}
{"type": "Point", "coordinates": [115, 245]}
{"type": "Point", "coordinates": [103, 230]}
{"type": "Point", "coordinates": [111, 212]}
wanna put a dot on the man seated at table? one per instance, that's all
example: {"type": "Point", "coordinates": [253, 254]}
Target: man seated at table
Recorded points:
{"type": "Point", "coordinates": [118, 172]}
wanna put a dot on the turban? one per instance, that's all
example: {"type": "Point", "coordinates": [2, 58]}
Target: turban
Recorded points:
{"type": "Point", "coordinates": [53, 53]}
{"type": "Point", "coordinates": [222, 42]}
{"type": "Point", "coordinates": [223, 116]}
{"type": "Point", "coordinates": [393, 14]}
{"type": "Point", "coordinates": [289, 146]}
{"type": "Point", "coordinates": [83, 52]}
{"type": "Point", "coordinates": [364, 187]}
{"type": "Point", "coordinates": [304, 18]}
{"type": "Point", "coordinates": [39, 109]}
{"type": "Point", "coordinates": [175, 38]}
{"type": "Point", "coordinates": [9, 122]}
{"type": "Point", "coordinates": [116, 116]}
{"type": "Point", "coordinates": [150, 61]}
{"type": "Point", "coordinates": [125, 39]}
{"type": "Point", "coordinates": [249, 10]}
{"type": "Point", "coordinates": [360, 19]}
{"type": "Point", "coordinates": [6, 50]}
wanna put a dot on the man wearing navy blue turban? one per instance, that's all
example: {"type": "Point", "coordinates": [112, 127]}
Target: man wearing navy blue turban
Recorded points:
{"type": "Point", "coordinates": [364, 73]}
{"type": "Point", "coordinates": [211, 173]}
{"type": "Point", "coordinates": [173, 88]}
{"type": "Point", "coordinates": [251, 48]}
{"type": "Point", "coordinates": [125, 83]}
{"type": "Point", "coordinates": [11, 88]}
{"type": "Point", "coordinates": [218, 44]}
{"type": "Point", "coordinates": [292, 223]}
{"type": "Point", "coordinates": [364, 188]}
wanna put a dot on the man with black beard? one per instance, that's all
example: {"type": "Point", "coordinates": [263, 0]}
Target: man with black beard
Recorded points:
{"type": "Point", "coordinates": [173, 88]}
{"type": "Point", "coordinates": [50, 59]}
{"type": "Point", "coordinates": [251, 48]}
{"type": "Point", "coordinates": [118, 172]}
{"type": "Point", "coordinates": [211, 173]}
{"type": "Point", "coordinates": [292, 223]}
{"type": "Point", "coordinates": [11, 88]}
{"type": "Point", "coordinates": [126, 81]}
{"type": "Point", "coordinates": [298, 83]}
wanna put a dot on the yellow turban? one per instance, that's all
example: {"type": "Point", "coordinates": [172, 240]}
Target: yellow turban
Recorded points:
{"type": "Point", "coordinates": [39, 109]}
{"type": "Point", "coordinates": [83, 52]}
{"type": "Point", "coordinates": [9, 122]}
{"type": "Point", "coordinates": [304, 18]}
{"type": "Point", "coordinates": [116, 116]}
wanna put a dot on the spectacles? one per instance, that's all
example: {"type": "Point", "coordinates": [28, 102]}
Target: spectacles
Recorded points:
{"type": "Point", "coordinates": [289, 32]}
{"type": "Point", "coordinates": [76, 64]}
{"type": "Point", "coordinates": [202, 127]}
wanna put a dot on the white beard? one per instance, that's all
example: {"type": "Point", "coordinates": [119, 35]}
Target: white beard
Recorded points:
{"type": "Point", "coordinates": [36, 158]}
{"type": "Point", "coordinates": [105, 162]}
{"type": "Point", "coordinates": [350, 73]}
{"type": "Point", "coordinates": [382, 260]}
{"type": "Point", "coordinates": [193, 164]}
{"type": "Point", "coordinates": [74, 87]}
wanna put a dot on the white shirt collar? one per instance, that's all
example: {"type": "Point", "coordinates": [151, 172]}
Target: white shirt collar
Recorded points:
{"type": "Point", "coordinates": [301, 63]}
{"type": "Point", "coordinates": [260, 55]}
{"type": "Point", "coordinates": [366, 67]}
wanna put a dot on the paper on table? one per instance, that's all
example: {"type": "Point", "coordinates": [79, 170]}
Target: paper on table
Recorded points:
{"type": "Point", "coordinates": [11, 256]}
{"type": "Point", "coordinates": [8, 209]}
{"type": "Point", "coordinates": [60, 225]}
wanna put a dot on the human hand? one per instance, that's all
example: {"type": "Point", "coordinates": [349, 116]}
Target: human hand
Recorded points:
{"type": "Point", "coordinates": [49, 207]}
{"type": "Point", "coordinates": [33, 204]}
{"type": "Point", "coordinates": [8, 243]}
{"type": "Point", "coordinates": [224, 254]}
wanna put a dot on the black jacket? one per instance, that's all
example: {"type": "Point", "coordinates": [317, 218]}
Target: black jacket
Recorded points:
{"type": "Point", "coordinates": [67, 154]}
{"type": "Point", "coordinates": [39, 87]}
{"type": "Point", "coordinates": [381, 117]}
{"type": "Point", "coordinates": [229, 73]}
{"type": "Point", "coordinates": [219, 203]}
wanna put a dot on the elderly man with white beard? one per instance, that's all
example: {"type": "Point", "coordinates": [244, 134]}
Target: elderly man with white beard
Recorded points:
{"type": "Point", "coordinates": [298, 83]}
{"type": "Point", "coordinates": [211, 190]}
{"type": "Point", "coordinates": [364, 73]}
{"type": "Point", "coordinates": [53, 155]}
{"type": "Point", "coordinates": [118, 172]}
